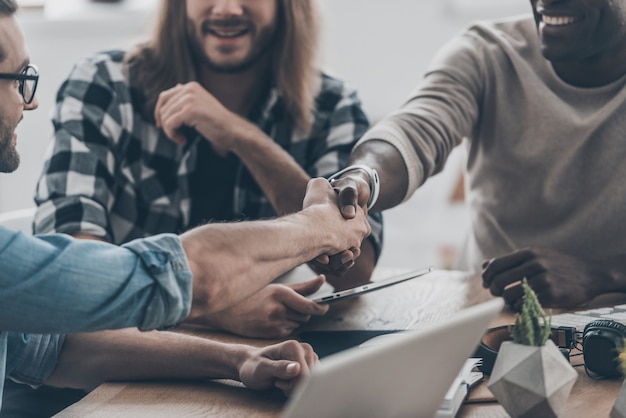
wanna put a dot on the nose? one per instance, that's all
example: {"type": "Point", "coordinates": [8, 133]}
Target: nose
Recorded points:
{"type": "Point", "coordinates": [228, 8]}
{"type": "Point", "coordinates": [32, 105]}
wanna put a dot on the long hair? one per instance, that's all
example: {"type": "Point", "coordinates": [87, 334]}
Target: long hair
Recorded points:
{"type": "Point", "coordinates": [165, 59]}
{"type": "Point", "coordinates": [8, 7]}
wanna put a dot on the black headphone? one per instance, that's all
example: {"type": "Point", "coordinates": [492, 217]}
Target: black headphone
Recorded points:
{"type": "Point", "coordinates": [603, 340]}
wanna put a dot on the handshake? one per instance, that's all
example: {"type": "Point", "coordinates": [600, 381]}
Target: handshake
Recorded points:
{"type": "Point", "coordinates": [355, 195]}
{"type": "Point", "coordinates": [261, 250]}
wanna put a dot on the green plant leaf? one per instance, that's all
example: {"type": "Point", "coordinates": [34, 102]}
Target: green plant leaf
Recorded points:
{"type": "Point", "coordinates": [531, 327]}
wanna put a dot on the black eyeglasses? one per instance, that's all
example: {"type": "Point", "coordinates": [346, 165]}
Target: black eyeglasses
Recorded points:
{"type": "Point", "coordinates": [28, 78]}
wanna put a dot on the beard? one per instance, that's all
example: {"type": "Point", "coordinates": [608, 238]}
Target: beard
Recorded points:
{"type": "Point", "coordinates": [261, 45]}
{"type": "Point", "coordinates": [9, 157]}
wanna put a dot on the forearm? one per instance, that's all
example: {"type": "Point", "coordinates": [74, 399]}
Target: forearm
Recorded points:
{"type": "Point", "coordinates": [258, 251]}
{"type": "Point", "coordinates": [87, 360]}
{"type": "Point", "coordinates": [391, 168]}
{"type": "Point", "coordinates": [280, 177]}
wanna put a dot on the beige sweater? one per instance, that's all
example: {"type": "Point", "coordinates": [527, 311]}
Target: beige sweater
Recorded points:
{"type": "Point", "coordinates": [547, 160]}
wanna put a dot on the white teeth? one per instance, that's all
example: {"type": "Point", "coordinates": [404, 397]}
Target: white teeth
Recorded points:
{"type": "Point", "coordinates": [558, 20]}
{"type": "Point", "coordinates": [227, 34]}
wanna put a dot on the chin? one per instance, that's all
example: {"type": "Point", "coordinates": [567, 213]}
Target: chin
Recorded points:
{"type": "Point", "coordinates": [558, 54]}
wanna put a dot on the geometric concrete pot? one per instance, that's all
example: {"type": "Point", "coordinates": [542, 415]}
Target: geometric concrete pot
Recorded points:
{"type": "Point", "coordinates": [619, 408]}
{"type": "Point", "coordinates": [531, 381]}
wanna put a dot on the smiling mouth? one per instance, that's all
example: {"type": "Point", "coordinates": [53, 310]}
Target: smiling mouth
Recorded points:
{"type": "Point", "coordinates": [227, 33]}
{"type": "Point", "coordinates": [226, 30]}
{"type": "Point", "coordinates": [558, 20]}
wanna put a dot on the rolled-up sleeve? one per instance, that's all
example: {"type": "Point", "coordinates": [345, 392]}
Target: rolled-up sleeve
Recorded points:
{"type": "Point", "coordinates": [32, 357]}
{"type": "Point", "coordinates": [57, 284]}
{"type": "Point", "coordinates": [171, 300]}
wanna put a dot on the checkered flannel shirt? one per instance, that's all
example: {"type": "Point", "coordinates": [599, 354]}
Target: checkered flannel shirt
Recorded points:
{"type": "Point", "coordinates": [111, 173]}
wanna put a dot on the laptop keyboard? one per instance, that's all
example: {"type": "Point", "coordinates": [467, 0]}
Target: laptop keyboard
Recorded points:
{"type": "Point", "coordinates": [581, 318]}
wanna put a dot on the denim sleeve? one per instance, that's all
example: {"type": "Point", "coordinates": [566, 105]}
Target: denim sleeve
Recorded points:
{"type": "Point", "coordinates": [57, 284]}
{"type": "Point", "coordinates": [31, 358]}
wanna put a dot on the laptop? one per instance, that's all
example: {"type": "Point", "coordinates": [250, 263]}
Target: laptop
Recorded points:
{"type": "Point", "coordinates": [405, 374]}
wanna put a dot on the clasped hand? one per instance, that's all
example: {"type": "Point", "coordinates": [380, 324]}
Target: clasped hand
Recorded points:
{"type": "Point", "coordinates": [558, 279]}
{"type": "Point", "coordinates": [352, 195]}
{"type": "Point", "coordinates": [193, 106]}
{"type": "Point", "coordinates": [280, 365]}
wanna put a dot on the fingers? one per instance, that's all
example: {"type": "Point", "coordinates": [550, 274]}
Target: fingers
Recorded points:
{"type": "Point", "coordinates": [163, 100]}
{"type": "Point", "coordinates": [513, 295]}
{"type": "Point", "coordinates": [173, 117]}
{"type": "Point", "coordinates": [318, 190]}
{"type": "Point", "coordinates": [344, 260]}
{"type": "Point", "coordinates": [310, 286]}
{"type": "Point", "coordinates": [280, 365]}
{"type": "Point", "coordinates": [301, 352]}
{"type": "Point", "coordinates": [291, 361]}
{"type": "Point", "coordinates": [352, 191]}
{"type": "Point", "coordinates": [502, 271]}
{"type": "Point", "coordinates": [299, 308]}
{"type": "Point", "coordinates": [347, 199]}
{"type": "Point", "coordinates": [171, 112]}
{"type": "Point", "coordinates": [503, 276]}
{"type": "Point", "coordinates": [338, 263]}
{"type": "Point", "coordinates": [323, 259]}
{"type": "Point", "coordinates": [344, 233]}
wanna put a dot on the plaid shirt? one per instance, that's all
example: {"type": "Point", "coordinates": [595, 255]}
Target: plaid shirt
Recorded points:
{"type": "Point", "coordinates": [111, 173]}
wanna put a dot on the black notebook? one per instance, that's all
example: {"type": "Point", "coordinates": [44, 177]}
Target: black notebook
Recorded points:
{"type": "Point", "coordinates": [326, 343]}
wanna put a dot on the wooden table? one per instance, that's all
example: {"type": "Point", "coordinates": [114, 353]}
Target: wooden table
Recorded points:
{"type": "Point", "coordinates": [407, 305]}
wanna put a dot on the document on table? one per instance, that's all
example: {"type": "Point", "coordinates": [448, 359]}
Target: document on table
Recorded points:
{"type": "Point", "coordinates": [460, 388]}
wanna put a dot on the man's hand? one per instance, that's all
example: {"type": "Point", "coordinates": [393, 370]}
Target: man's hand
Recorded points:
{"type": "Point", "coordinates": [273, 312]}
{"type": "Point", "coordinates": [280, 365]}
{"type": "Point", "coordinates": [336, 264]}
{"type": "Point", "coordinates": [192, 106]}
{"type": "Point", "coordinates": [559, 280]}
{"type": "Point", "coordinates": [321, 201]}
{"type": "Point", "coordinates": [232, 261]}
{"type": "Point", "coordinates": [353, 191]}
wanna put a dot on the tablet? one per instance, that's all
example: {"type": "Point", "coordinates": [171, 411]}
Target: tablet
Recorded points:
{"type": "Point", "coordinates": [379, 284]}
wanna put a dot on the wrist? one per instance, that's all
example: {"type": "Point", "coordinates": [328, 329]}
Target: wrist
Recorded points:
{"type": "Point", "coordinates": [373, 180]}
{"type": "Point", "coordinates": [239, 354]}
{"type": "Point", "coordinates": [245, 136]}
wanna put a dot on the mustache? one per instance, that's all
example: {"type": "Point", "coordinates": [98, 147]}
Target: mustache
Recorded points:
{"type": "Point", "coordinates": [224, 23]}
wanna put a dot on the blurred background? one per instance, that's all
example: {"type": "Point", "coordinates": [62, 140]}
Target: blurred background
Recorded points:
{"type": "Point", "coordinates": [380, 46]}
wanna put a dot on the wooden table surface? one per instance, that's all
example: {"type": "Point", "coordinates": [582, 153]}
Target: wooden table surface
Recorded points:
{"type": "Point", "coordinates": [406, 305]}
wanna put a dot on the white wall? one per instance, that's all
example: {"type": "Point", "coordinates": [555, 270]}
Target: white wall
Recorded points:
{"type": "Point", "coordinates": [380, 46]}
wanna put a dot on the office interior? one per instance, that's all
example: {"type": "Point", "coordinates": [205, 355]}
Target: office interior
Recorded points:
{"type": "Point", "coordinates": [380, 46]}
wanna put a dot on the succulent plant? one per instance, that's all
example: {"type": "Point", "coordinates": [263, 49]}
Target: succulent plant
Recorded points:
{"type": "Point", "coordinates": [532, 326]}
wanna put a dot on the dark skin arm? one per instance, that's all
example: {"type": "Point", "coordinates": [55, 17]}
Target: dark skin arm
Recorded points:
{"type": "Point", "coordinates": [353, 186]}
{"type": "Point", "coordinates": [559, 280]}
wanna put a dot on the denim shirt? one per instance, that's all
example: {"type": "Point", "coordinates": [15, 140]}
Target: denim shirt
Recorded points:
{"type": "Point", "coordinates": [145, 284]}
